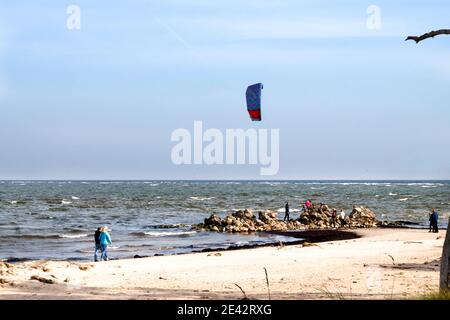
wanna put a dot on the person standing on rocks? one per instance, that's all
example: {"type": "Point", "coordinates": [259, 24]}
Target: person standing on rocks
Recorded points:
{"type": "Point", "coordinates": [307, 205]}
{"type": "Point", "coordinates": [342, 218]}
{"type": "Point", "coordinates": [286, 212]}
{"type": "Point", "coordinates": [333, 218]}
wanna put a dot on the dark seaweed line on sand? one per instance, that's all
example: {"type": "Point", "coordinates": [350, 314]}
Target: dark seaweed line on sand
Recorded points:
{"type": "Point", "coordinates": [313, 236]}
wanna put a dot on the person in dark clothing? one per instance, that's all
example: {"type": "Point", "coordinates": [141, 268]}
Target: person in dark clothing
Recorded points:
{"type": "Point", "coordinates": [333, 218]}
{"type": "Point", "coordinates": [286, 212]}
{"type": "Point", "coordinates": [431, 223]}
{"type": "Point", "coordinates": [97, 243]}
{"type": "Point", "coordinates": [434, 221]}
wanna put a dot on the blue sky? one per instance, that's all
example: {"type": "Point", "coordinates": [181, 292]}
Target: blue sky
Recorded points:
{"type": "Point", "coordinates": [101, 102]}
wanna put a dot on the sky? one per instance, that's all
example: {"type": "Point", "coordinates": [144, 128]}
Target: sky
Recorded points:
{"type": "Point", "coordinates": [101, 101]}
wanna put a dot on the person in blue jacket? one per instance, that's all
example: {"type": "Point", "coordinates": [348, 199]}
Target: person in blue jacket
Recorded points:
{"type": "Point", "coordinates": [105, 240]}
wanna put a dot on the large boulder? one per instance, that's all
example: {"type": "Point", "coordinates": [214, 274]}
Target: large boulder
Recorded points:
{"type": "Point", "coordinates": [362, 213]}
{"type": "Point", "coordinates": [263, 216]}
{"type": "Point", "coordinates": [272, 214]}
{"type": "Point", "coordinates": [267, 215]}
{"type": "Point", "coordinates": [243, 214]}
{"type": "Point", "coordinates": [305, 218]}
{"type": "Point", "coordinates": [213, 222]}
{"type": "Point", "coordinates": [362, 217]}
{"type": "Point", "coordinates": [259, 223]}
{"type": "Point", "coordinates": [229, 220]}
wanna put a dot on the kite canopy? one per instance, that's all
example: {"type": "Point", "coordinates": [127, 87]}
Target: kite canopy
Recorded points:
{"type": "Point", "coordinates": [253, 96]}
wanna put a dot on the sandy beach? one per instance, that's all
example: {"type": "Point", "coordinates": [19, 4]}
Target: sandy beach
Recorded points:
{"type": "Point", "coordinates": [381, 264]}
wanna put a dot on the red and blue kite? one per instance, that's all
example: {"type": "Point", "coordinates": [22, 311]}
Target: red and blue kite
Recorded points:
{"type": "Point", "coordinates": [253, 96]}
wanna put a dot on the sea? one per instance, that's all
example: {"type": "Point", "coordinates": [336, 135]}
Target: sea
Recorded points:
{"type": "Point", "coordinates": [56, 220]}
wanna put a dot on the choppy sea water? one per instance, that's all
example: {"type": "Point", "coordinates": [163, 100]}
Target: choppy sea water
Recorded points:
{"type": "Point", "coordinates": [57, 219]}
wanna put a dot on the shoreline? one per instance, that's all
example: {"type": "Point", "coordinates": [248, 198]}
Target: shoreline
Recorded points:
{"type": "Point", "coordinates": [310, 236]}
{"type": "Point", "coordinates": [380, 264]}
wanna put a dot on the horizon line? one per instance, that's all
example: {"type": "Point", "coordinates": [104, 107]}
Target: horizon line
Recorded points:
{"type": "Point", "coordinates": [249, 180]}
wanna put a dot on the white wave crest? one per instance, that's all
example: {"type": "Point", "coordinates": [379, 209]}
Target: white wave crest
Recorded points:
{"type": "Point", "coordinates": [200, 198]}
{"type": "Point", "coordinates": [73, 236]}
{"type": "Point", "coordinates": [168, 233]}
{"type": "Point", "coordinates": [290, 210]}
